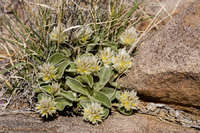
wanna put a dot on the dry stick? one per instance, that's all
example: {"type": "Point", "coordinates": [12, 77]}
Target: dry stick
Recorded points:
{"type": "Point", "coordinates": [9, 55]}
{"type": "Point", "coordinates": [60, 8]}
{"type": "Point", "coordinates": [42, 5]}
{"type": "Point", "coordinates": [177, 4]}
{"type": "Point", "coordinates": [8, 102]}
{"type": "Point", "coordinates": [12, 48]}
{"type": "Point", "coordinates": [3, 56]}
{"type": "Point", "coordinates": [82, 8]}
{"type": "Point", "coordinates": [168, 14]}
{"type": "Point", "coordinates": [145, 32]}
{"type": "Point", "coordinates": [78, 26]}
{"type": "Point", "coordinates": [94, 8]}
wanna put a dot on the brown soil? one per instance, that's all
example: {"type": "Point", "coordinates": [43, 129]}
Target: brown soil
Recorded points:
{"type": "Point", "coordinates": [31, 123]}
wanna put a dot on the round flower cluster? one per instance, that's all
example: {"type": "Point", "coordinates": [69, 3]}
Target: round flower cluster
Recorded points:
{"type": "Point", "coordinates": [46, 106]}
{"type": "Point", "coordinates": [47, 72]}
{"type": "Point", "coordinates": [129, 36]}
{"type": "Point", "coordinates": [107, 55]}
{"type": "Point", "coordinates": [59, 34]}
{"type": "Point", "coordinates": [83, 34]}
{"type": "Point", "coordinates": [54, 88]}
{"type": "Point", "coordinates": [122, 61]}
{"type": "Point", "coordinates": [93, 113]}
{"type": "Point", "coordinates": [87, 64]}
{"type": "Point", "coordinates": [128, 100]}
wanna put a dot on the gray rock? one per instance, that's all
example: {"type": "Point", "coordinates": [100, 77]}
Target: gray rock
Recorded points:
{"type": "Point", "coordinates": [167, 66]}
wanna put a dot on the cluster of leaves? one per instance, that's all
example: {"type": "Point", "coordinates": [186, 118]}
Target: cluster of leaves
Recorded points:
{"type": "Point", "coordinates": [85, 75]}
{"type": "Point", "coordinates": [79, 69]}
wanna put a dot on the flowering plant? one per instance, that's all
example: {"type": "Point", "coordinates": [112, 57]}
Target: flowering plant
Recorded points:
{"type": "Point", "coordinates": [82, 73]}
{"type": "Point", "coordinates": [83, 34]}
{"type": "Point", "coordinates": [90, 82]}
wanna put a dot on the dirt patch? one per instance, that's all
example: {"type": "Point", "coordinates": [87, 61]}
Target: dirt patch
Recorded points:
{"type": "Point", "coordinates": [31, 123]}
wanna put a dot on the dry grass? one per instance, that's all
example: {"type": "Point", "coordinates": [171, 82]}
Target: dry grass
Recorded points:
{"type": "Point", "coordinates": [25, 41]}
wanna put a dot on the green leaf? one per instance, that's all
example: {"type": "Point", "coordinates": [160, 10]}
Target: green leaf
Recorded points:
{"type": "Point", "coordinates": [76, 86]}
{"type": "Point", "coordinates": [61, 103]}
{"type": "Point", "coordinates": [104, 76]}
{"type": "Point", "coordinates": [98, 86]}
{"type": "Point", "coordinates": [68, 95]}
{"type": "Point", "coordinates": [86, 79]}
{"type": "Point", "coordinates": [39, 96]}
{"type": "Point", "coordinates": [84, 102]}
{"type": "Point", "coordinates": [124, 111]}
{"type": "Point", "coordinates": [47, 89]}
{"type": "Point", "coordinates": [102, 98]}
{"type": "Point", "coordinates": [118, 93]}
{"type": "Point", "coordinates": [106, 113]}
{"type": "Point", "coordinates": [109, 92]}
{"type": "Point", "coordinates": [67, 52]}
{"type": "Point", "coordinates": [56, 58]}
{"type": "Point", "coordinates": [90, 47]}
{"type": "Point", "coordinates": [115, 84]}
{"type": "Point", "coordinates": [61, 69]}
{"type": "Point", "coordinates": [37, 90]}
{"type": "Point", "coordinates": [112, 45]}
{"type": "Point", "coordinates": [72, 67]}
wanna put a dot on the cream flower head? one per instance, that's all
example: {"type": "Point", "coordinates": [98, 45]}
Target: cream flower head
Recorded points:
{"type": "Point", "coordinates": [106, 55]}
{"type": "Point", "coordinates": [93, 113]}
{"type": "Point", "coordinates": [54, 88]}
{"type": "Point", "coordinates": [83, 34]}
{"type": "Point", "coordinates": [129, 36]}
{"type": "Point", "coordinates": [87, 64]}
{"type": "Point", "coordinates": [46, 106]}
{"type": "Point", "coordinates": [122, 61]}
{"type": "Point", "coordinates": [54, 35]}
{"type": "Point", "coordinates": [47, 72]}
{"type": "Point", "coordinates": [129, 100]}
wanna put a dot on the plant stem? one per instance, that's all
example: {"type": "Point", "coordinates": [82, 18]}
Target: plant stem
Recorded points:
{"type": "Point", "coordinates": [60, 12]}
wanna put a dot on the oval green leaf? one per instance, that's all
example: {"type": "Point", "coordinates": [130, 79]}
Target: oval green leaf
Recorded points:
{"type": "Point", "coordinates": [61, 103]}
{"type": "Point", "coordinates": [56, 58]}
{"type": "Point", "coordinates": [76, 86]}
{"type": "Point", "coordinates": [106, 113]}
{"type": "Point", "coordinates": [102, 98]}
{"type": "Point", "coordinates": [61, 69]}
{"type": "Point", "coordinates": [86, 79]}
{"type": "Point", "coordinates": [109, 92]}
{"type": "Point", "coordinates": [104, 76]}
{"type": "Point", "coordinates": [68, 95]}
